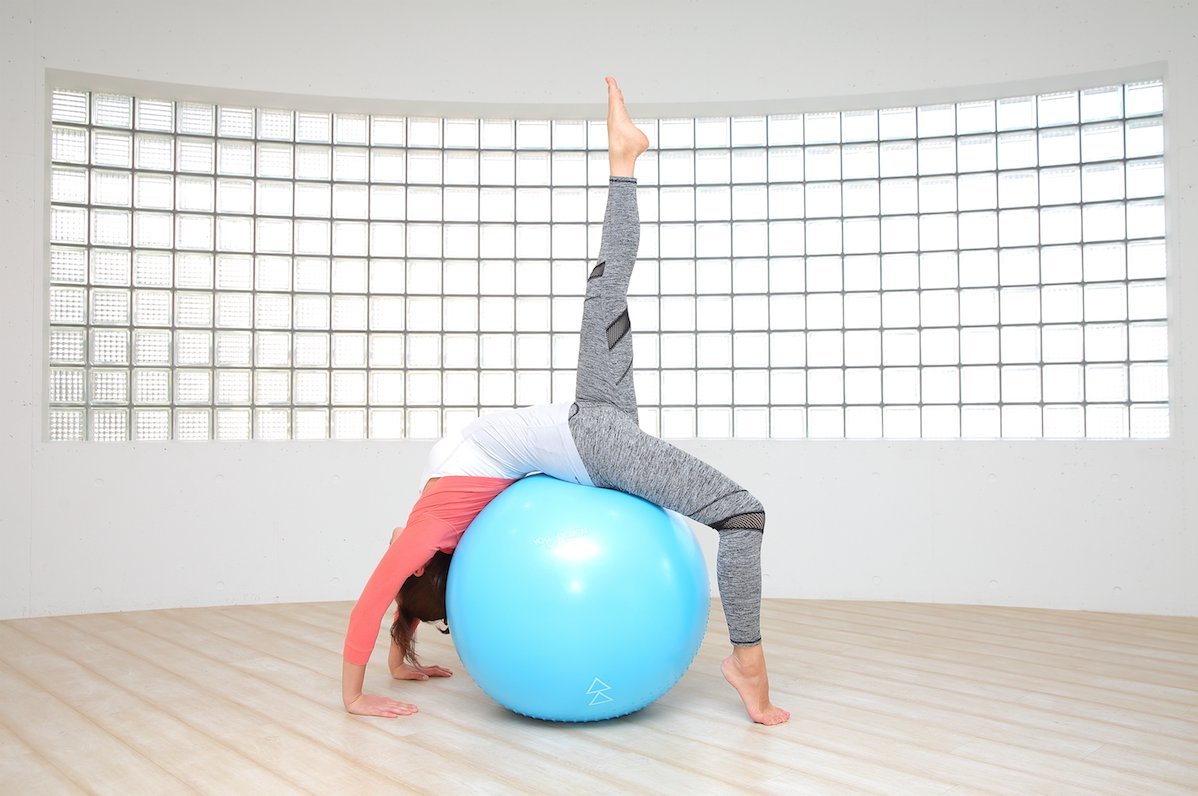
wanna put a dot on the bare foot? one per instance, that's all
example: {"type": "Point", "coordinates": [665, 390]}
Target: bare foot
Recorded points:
{"type": "Point", "coordinates": [625, 141]}
{"type": "Point", "coordinates": [750, 681]}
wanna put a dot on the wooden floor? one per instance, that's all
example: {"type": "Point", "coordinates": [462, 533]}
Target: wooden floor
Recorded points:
{"type": "Point", "coordinates": [886, 698]}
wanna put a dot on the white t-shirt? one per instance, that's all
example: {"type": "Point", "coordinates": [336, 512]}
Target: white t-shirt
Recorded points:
{"type": "Point", "coordinates": [511, 444]}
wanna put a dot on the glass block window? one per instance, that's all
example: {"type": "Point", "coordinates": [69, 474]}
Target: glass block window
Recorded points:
{"type": "Point", "coordinates": [979, 269]}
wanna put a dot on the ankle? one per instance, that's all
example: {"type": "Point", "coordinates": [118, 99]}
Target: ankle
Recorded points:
{"type": "Point", "coordinates": [749, 659]}
{"type": "Point", "coordinates": [622, 166]}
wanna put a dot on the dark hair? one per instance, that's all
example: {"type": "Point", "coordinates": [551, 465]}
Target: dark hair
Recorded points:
{"type": "Point", "coordinates": [421, 598]}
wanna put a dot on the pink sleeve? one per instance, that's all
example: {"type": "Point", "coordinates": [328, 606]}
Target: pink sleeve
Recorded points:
{"type": "Point", "coordinates": [423, 536]}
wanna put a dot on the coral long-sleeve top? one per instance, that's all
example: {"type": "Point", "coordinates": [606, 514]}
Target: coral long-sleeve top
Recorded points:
{"type": "Point", "coordinates": [472, 467]}
{"type": "Point", "coordinates": [437, 521]}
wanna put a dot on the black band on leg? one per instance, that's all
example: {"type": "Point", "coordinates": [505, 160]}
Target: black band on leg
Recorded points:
{"type": "Point", "coordinates": [625, 373]}
{"type": "Point", "coordinates": [618, 328]}
{"type": "Point", "coordinates": [750, 520]}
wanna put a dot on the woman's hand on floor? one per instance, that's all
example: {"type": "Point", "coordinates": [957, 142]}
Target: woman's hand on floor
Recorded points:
{"type": "Point", "coordinates": [373, 705]}
{"type": "Point", "coordinates": [407, 671]}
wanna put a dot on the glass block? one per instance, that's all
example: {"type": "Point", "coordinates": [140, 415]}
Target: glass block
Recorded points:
{"type": "Point", "coordinates": [979, 384]}
{"type": "Point", "coordinates": [1147, 301]}
{"type": "Point", "coordinates": [349, 424]}
{"type": "Point", "coordinates": [499, 169]}
{"type": "Point", "coordinates": [422, 423]}
{"type": "Point", "coordinates": [66, 385]}
{"type": "Point", "coordinates": [110, 347]}
{"type": "Point", "coordinates": [311, 350]}
{"type": "Point", "coordinates": [532, 387]}
{"type": "Point", "coordinates": [234, 386]}
{"type": "Point", "coordinates": [824, 348]}
{"type": "Point", "coordinates": [1064, 421]}
{"type": "Point", "coordinates": [1063, 383]}
{"type": "Point", "coordinates": [498, 350]}
{"type": "Point", "coordinates": [234, 348]}
{"type": "Point", "coordinates": [109, 425]}
{"type": "Point", "coordinates": [272, 311]}
{"type": "Point", "coordinates": [110, 228]}
{"type": "Point", "coordinates": [69, 145]}
{"type": "Point", "coordinates": [940, 422]}
{"type": "Point", "coordinates": [423, 387]}
{"type": "Point", "coordinates": [677, 133]}
{"type": "Point", "coordinates": [272, 387]}
{"type": "Point", "coordinates": [66, 425]}
{"type": "Point", "coordinates": [787, 386]}
{"type": "Point", "coordinates": [1145, 259]}
{"type": "Point", "coordinates": [107, 187]}
{"type": "Point", "coordinates": [387, 387]}
{"type": "Point", "coordinates": [272, 349]}
{"type": "Point", "coordinates": [824, 386]}
{"type": "Point", "coordinates": [1022, 422]}
{"type": "Point", "coordinates": [862, 348]}
{"type": "Point", "coordinates": [67, 346]}
{"type": "Point", "coordinates": [1148, 340]}
{"type": "Point", "coordinates": [863, 386]}
{"type": "Point", "coordinates": [151, 386]}
{"type": "Point", "coordinates": [715, 422]}
{"type": "Point", "coordinates": [1106, 383]}
{"type": "Point", "coordinates": [980, 422]}
{"type": "Point", "coordinates": [497, 388]}
{"type": "Point", "coordinates": [677, 422]}
{"type": "Point", "coordinates": [1149, 382]}
{"type": "Point", "coordinates": [151, 424]}
{"type": "Point", "coordinates": [311, 387]}
{"type": "Point", "coordinates": [272, 424]}
{"type": "Point", "coordinates": [901, 422]}
{"type": "Point", "coordinates": [107, 387]}
{"type": "Point", "coordinates": [1149, 422]}
{"type": "Point", "coordinates": [1108, 421]}
{"type": "Point", "coordinates": [310, 424]}
{"type": "Point", "coordinates": [111, 148]}
{"type": "Point", "coordinates": [713, 386]}
{"type": "Point", "coordinates": [349, 387]}
{"type": "Point", "coordinates": [193, 386]}
{"type": "Point", "coordinates": [349, 312]}
{"type": "Point", "coordinates": [1106, 342]}
{"type": "Point", "coordinates": [461, 388]}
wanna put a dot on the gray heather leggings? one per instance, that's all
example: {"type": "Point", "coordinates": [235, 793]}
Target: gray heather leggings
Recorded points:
{"type": "Point", "coordinates": [619, 455]}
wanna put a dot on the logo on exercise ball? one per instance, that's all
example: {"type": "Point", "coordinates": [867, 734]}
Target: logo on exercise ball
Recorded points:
{"type": "Point", "coordinates": [598, 689]}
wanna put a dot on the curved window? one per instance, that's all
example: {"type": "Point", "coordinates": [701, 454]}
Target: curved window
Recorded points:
{"type": "Point", "coordinates": [988, 269]}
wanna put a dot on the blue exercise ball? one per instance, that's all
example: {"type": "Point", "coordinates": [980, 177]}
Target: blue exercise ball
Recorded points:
{"type": "Point", "coordinates": [576, 603]}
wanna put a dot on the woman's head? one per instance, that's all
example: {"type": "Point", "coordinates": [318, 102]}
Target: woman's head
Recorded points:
{"type": "Point", "coordinates": [421, 597]}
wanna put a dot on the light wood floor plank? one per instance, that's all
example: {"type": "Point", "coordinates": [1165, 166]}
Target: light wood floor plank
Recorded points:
{"type": "Point", "coordinates": [71, 740]}
{"type": "Point", "coordinates": [988, 675]}
{"type": "Point", "coordinates": [120, 711]}
{"type": "Point", "coordinates": [25, 770]}
{"type": "Point", "coordinates": [889, 698]}
{"type": "Point", "coordinates": [1152, 654]}
{"type": "Point", "coordinates": [1175, 688]}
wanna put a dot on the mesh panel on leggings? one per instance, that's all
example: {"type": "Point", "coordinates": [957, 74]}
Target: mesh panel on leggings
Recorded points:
{"type": "Point", "coordinates": [754, 520]}
{"type": "Point", "coordinates": [619, 327]}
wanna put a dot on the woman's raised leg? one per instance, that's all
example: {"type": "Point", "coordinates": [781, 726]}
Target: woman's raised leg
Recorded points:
{"type": "Point", "coordinates": [605, 339]}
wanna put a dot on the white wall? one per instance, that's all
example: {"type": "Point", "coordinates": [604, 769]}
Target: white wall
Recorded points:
{"type": "Point", "coordinates": [1089, 525]}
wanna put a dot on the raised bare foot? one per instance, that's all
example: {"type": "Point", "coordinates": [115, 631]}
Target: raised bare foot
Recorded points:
{"type": "Point", "coordinates": [751, 682]}
{"type": "Point", "coordinates": [624, 139]}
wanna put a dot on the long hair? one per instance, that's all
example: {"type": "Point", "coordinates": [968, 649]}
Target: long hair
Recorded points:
{"type": "Point", "coordinates": [421, 598]}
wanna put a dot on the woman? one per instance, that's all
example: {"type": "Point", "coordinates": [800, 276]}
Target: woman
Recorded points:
{"type": "Point", "coordinates": [596, 440]}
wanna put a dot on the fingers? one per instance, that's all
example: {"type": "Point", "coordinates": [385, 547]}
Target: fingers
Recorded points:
{"type": "Point", "coordinates": [409, 673]}
{"type": "Point", "coordinates": [393, 710]}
